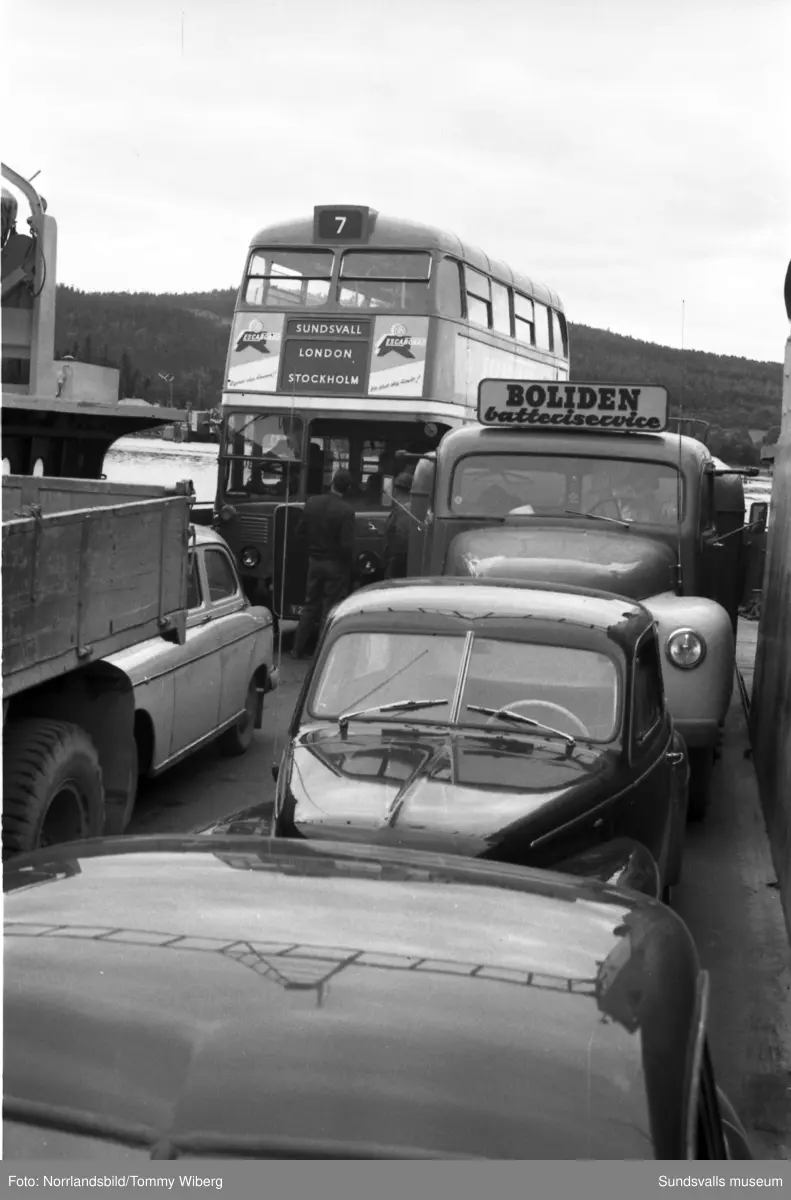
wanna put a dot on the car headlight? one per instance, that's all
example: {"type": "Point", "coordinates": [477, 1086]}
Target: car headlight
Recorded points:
{"type": "Point", "coordinates": [249, 557]}
{"type": "Point", "coordinates": [685, 649]}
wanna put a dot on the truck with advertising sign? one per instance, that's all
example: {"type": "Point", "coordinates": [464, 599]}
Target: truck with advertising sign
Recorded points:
{"type": "Point", "coordinates": [582, 484]}
{"type": "Point", "coordinates": [355, 336]}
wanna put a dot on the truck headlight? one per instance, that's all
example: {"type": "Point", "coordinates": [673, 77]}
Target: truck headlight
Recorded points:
{"type": "Point", "coordinates": [249, 557]}
{"type": "Point", "coordinates": [685, 649]}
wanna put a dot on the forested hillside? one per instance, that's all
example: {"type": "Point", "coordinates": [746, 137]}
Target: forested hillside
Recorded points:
{"type": "Point", "coordinates": [186, 336]}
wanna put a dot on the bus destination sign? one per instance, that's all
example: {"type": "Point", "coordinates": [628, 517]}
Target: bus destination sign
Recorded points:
{"type": "Point", "coordinates": [600, 407]}
{"type": "Point", "coordinates": [341, 223]}
{"type": "Point", "coordinates": [324, 366]}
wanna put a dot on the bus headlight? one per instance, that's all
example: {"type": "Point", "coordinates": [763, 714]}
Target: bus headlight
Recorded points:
{"type": "Point", "coordinates": [249, 557]}
{"type": "Point", "coordinates": [227, 512]}
{"type": "Point", "coordinates": [685, 649]}
{"type": "Point", "coordinates": [368, 564]}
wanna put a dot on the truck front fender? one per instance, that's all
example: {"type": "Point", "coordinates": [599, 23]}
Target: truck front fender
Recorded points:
{"type": "Point", "coordinates": [698, 697]}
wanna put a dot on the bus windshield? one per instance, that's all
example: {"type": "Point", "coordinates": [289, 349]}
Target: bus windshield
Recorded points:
{"type": "Point", "coordinates": [263, 453]}
{"type": "Point", "coordinates": [273, 456]}
{"type": "Point", "coordinates": [494, 485]}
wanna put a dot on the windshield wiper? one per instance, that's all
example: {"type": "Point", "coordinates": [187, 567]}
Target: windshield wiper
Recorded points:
{"type": "Point", "coordinates": [396, 706]}
{"type": "Point", "coordinates": [573, 512]}
{"type": "Point", "coordinates": [515, 716]}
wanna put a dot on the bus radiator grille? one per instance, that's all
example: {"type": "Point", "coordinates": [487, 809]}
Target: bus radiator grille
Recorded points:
{"type": "Point", "coordinates": [254, 527]}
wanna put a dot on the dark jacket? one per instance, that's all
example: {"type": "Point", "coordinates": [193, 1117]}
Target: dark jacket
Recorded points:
{"type": "Point", "coordinates": [397, 528]}
{"type": "Point", "coordinates": [328, 524]}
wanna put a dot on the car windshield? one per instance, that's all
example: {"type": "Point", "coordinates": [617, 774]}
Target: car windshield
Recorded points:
{"type": "Point", "coordinates": [573, 691]}
{"type": "Point", "coordinates": [494, 485]}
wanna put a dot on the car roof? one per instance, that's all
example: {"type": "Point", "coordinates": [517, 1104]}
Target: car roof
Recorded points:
{"type": "Point", "coordinates": [206, 536]}
{"type": "Point", "coordinates": [552, 603]}
{"type": "Point", "coordinates": [236, 982]}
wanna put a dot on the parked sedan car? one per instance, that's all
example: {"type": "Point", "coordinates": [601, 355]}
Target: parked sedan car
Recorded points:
{"type": "Point", "coordinates": [212, 686]}
{"type": "Point", "coordinates": [244, 997]}
{"type": "Point", "coordinates": [509, 721]}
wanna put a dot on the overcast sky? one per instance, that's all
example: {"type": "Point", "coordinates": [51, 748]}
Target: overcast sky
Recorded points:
{"type": "Point", "coordinates": [632, 155]}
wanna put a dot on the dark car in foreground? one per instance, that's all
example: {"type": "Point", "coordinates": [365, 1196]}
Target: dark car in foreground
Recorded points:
{"type": "Point", "coordinates": [229, 997]}
{"type": "Point", "coordinates": [519, 722]}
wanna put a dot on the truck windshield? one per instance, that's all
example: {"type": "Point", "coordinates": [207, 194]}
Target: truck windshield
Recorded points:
{"type": "Point", "coordinates": [494, 485]}
{"type": "Point", "coordinates": [574, 690]}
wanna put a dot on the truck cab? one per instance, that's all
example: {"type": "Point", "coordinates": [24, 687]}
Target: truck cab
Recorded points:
{"type": "Point", "coordinates": [599, 494]}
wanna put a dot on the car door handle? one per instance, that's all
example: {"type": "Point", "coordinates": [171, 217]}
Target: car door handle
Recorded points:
{"type": "Point", "coordinates": [203, 621]}
{"type": "Point", "coordinates": [675, 758]}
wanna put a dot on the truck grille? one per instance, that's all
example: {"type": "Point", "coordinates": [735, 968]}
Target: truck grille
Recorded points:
{"type": "Point", "coordinates": [254, 527]}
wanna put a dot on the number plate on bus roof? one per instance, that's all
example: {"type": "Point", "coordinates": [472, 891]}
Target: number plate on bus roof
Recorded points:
{"type": "Point", "coordinates": [601, 407]}
{"type": "Point", "coordinates": [340, 223]}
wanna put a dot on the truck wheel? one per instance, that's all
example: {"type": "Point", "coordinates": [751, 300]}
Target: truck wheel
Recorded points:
{"type": "Point", "coordinates": [52, 786]}
{"type": "Point", "coordinates": [237, 740]}
{"type": "Point", "coordinates": [701, 766]}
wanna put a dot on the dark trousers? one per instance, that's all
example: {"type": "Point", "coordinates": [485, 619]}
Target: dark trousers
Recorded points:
{"type": "Point", "coordinates": [328, 583]}
{"type": "Point", "coordinates": [396, 565]}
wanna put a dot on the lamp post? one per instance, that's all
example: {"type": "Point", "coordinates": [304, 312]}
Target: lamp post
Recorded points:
{"type": "Point", "coordinates": [168, 379]}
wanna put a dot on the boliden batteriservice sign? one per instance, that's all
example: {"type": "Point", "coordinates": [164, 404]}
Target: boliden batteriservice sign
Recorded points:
{"type": "Point", "coordinates": [605, 408]}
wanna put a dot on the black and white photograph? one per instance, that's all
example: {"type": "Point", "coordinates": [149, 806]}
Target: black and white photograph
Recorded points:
{"type": "Point", "coordinates": [396, 595]}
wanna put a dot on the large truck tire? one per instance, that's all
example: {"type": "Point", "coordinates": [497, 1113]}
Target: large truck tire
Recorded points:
{"type": "Point", "coordinates": [52, 785]}
{"type": "Point", "coordinates": [701, 768]}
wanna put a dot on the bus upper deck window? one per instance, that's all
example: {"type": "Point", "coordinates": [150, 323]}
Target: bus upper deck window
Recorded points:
{"type": "Point", "coordinates": [479, 305]}
{"type": "Point", "coordinates": [564, 333]}
{"type": "Point", "coordinates": [394, 280]}
{"type": "Point", "coordinates": [289, 278]}
{"type": "Point", "coordinates": [542, 326]}
{"type": "Point", "coordinates": [559, 345]}
{"type": "Point", "coordinates": [448, 287]}
{"type": "Point", "coordinates": [501, 309]}
{"type": "Point", "coordinates": [524, 319]}
{"type": "Point", "coordinates": [385, 264]}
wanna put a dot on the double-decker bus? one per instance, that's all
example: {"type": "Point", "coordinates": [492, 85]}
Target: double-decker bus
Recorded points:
{"type": "Point", "coordinates": [358, 337]}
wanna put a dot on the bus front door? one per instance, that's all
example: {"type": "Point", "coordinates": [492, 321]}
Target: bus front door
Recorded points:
{"type": "Point", "coordinates": [290, 565]}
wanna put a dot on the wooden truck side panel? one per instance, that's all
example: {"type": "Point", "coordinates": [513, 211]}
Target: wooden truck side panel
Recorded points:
{"type": "Point", "coordinates": [88, 569]}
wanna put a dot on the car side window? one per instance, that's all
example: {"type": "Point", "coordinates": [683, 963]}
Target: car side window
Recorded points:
{"type": "Point", "coordinates": [194, 591]}
{"type": "Point", "coordinates": [220, 575]}
{"type": "Point", "coordinates": [648, 689]}
{"type": "Point", "coordinates": [709, 1134]}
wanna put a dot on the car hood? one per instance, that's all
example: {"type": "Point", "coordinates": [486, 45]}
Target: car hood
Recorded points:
{"type": "Point", "coordinates": [460, 792]}
{"type": "Point", "coordinates": [611, 560]}
{"type": "Point", "coordinates": [246, 987]}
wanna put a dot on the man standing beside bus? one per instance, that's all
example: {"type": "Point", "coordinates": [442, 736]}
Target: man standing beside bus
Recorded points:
{"type": "Point", "coordinates": [397, 529]}
{"type": "Point", "coordinates": [328, 524]}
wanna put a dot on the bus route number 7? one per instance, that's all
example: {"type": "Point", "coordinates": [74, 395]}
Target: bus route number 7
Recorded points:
{"type": "Point", "coordinates": [340, 224]}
